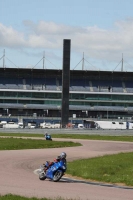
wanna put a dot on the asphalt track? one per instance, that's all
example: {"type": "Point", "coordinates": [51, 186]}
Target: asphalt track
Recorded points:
{"type": "Point", "coordinates": [17, 173]}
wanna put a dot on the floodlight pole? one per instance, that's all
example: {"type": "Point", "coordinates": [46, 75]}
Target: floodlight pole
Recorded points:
{"type": "Point", "coordinates": [43, 58]}
{"type": "Point", "coordinates": [4, 58]}
{"type": "Point", "coordinates": [83, 62]}
{"type": "Point", "coordinates": [122, 63]}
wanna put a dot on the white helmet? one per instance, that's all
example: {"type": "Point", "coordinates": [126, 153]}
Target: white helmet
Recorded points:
{"type": "Point", "coordinates": [63, 155]}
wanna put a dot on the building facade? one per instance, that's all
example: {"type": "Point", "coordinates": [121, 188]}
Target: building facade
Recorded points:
{"type": "Point", "coordinates": [92, 94]}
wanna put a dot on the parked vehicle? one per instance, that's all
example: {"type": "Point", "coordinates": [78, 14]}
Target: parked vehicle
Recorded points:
{"type": "Point", "coordinates": [10, 125]}
{"type": "Point", "coordinates": [20, 125]}
{"type": "Point", "coordinates": [49, 125]}
{"type": "Point", "coordinates": [45, 125]}
{"type": "Point", "coordinates": [113, 125]}
{"type": "Point", "coordinates": [31, 125]}
{"type": "Point", "coordinates": [80, 126]}
{"type": "Point", "coordinates": [3, 122]}
{"type": "Point", "coordinates": [54, 172]}
{"type": "Point", "coordinates": [56, 126]}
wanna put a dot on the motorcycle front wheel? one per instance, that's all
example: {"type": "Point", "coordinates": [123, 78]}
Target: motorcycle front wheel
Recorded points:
{"type": "Point", "coordinates": [42, 176]}
{"type": "Point", "coordinates": [57, 176]}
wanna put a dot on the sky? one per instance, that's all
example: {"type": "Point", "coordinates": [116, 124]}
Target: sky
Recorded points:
{"type": "Point", "coordinates": [32, 33]}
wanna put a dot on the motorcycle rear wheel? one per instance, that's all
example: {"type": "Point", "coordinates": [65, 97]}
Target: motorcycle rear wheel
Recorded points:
{"type": "Point", "coordinates": [57, 176]}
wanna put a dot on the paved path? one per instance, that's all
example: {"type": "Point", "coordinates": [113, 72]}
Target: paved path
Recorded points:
{"type": "Point", "coordinates": [17, 172]}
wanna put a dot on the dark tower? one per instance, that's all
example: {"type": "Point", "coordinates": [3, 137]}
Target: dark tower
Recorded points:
{"type": "Point", "coordinates": [65, 82]}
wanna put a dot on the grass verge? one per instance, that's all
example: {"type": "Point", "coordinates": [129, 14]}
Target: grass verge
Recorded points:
{"type": "Point", "coordinates": [19, 143]}
{"type": "Point", "coordinates": [74, 136]}
{"type": "Point", "coordinates": [111, 169]}
{"type": "Point", "coordinates": [17, 197]}
{"type": "Point", "coordinates": [94, 137]}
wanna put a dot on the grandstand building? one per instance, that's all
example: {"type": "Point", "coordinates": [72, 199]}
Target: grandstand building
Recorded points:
{"type": "Point", "coordinates": [92, 94]}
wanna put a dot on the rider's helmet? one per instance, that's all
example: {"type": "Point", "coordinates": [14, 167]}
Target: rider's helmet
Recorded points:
{"type": "Point", "coordinates": [46, 133]}
{"type": "Point", "coordinates": [63, 155]}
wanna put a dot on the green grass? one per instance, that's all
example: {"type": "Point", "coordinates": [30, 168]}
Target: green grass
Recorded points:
{"type": "Point", "coordinates": [22, 135]}
{"type": "Point", "coordinates": [94, 137]}
{"type": "Point", "coordinates": [74, 136]}
{"type": "Point", "coordinates": [111, 169]}
{"type": "Point", "coordinates": [19, 143]}
{"type": "Point", "coordinates": [17, 197]}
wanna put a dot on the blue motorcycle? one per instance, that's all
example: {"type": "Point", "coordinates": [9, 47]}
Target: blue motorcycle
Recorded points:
{"type": "Point", "coordinates": [54, 172]}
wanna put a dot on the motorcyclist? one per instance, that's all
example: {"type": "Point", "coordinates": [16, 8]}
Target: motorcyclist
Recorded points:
{"type": "Point", "coordinates": [62, 157]}
{"type": "Point", "coordinates": [46, 134]}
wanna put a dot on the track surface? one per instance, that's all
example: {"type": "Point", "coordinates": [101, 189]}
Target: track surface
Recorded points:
{"type": "Point", "coordinates": [17, 172]}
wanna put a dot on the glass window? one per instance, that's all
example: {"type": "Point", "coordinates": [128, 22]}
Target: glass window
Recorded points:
{"type": "Point", "coordinates": [37, 95]}
{"type": "Point", "coordinates": [53, 102]}
{"type": "Point", "coordinates": [24, 101]}
{"type": "Point", "coordinates": [77, 96]}
{"type": "Point", "coordinates": [37, 101]}
{"type": "Point", "coordinates": [9, 101]}
{"type": "Point", "coordinates": [53, 95]}
{"type": "Point", "coordinates": [1, 94]}
{"type": "Point", "coordinates": [77, 103]}
{"type": "Point", "coordinates": [10, 94]}
{"type": "Point", "coordinates": [24, 94]}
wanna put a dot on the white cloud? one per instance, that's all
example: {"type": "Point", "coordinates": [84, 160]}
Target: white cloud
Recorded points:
{"type": "Point", "coordinates": [95, 42]}
{"type": "Point", "coordinates": [10, 37]}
